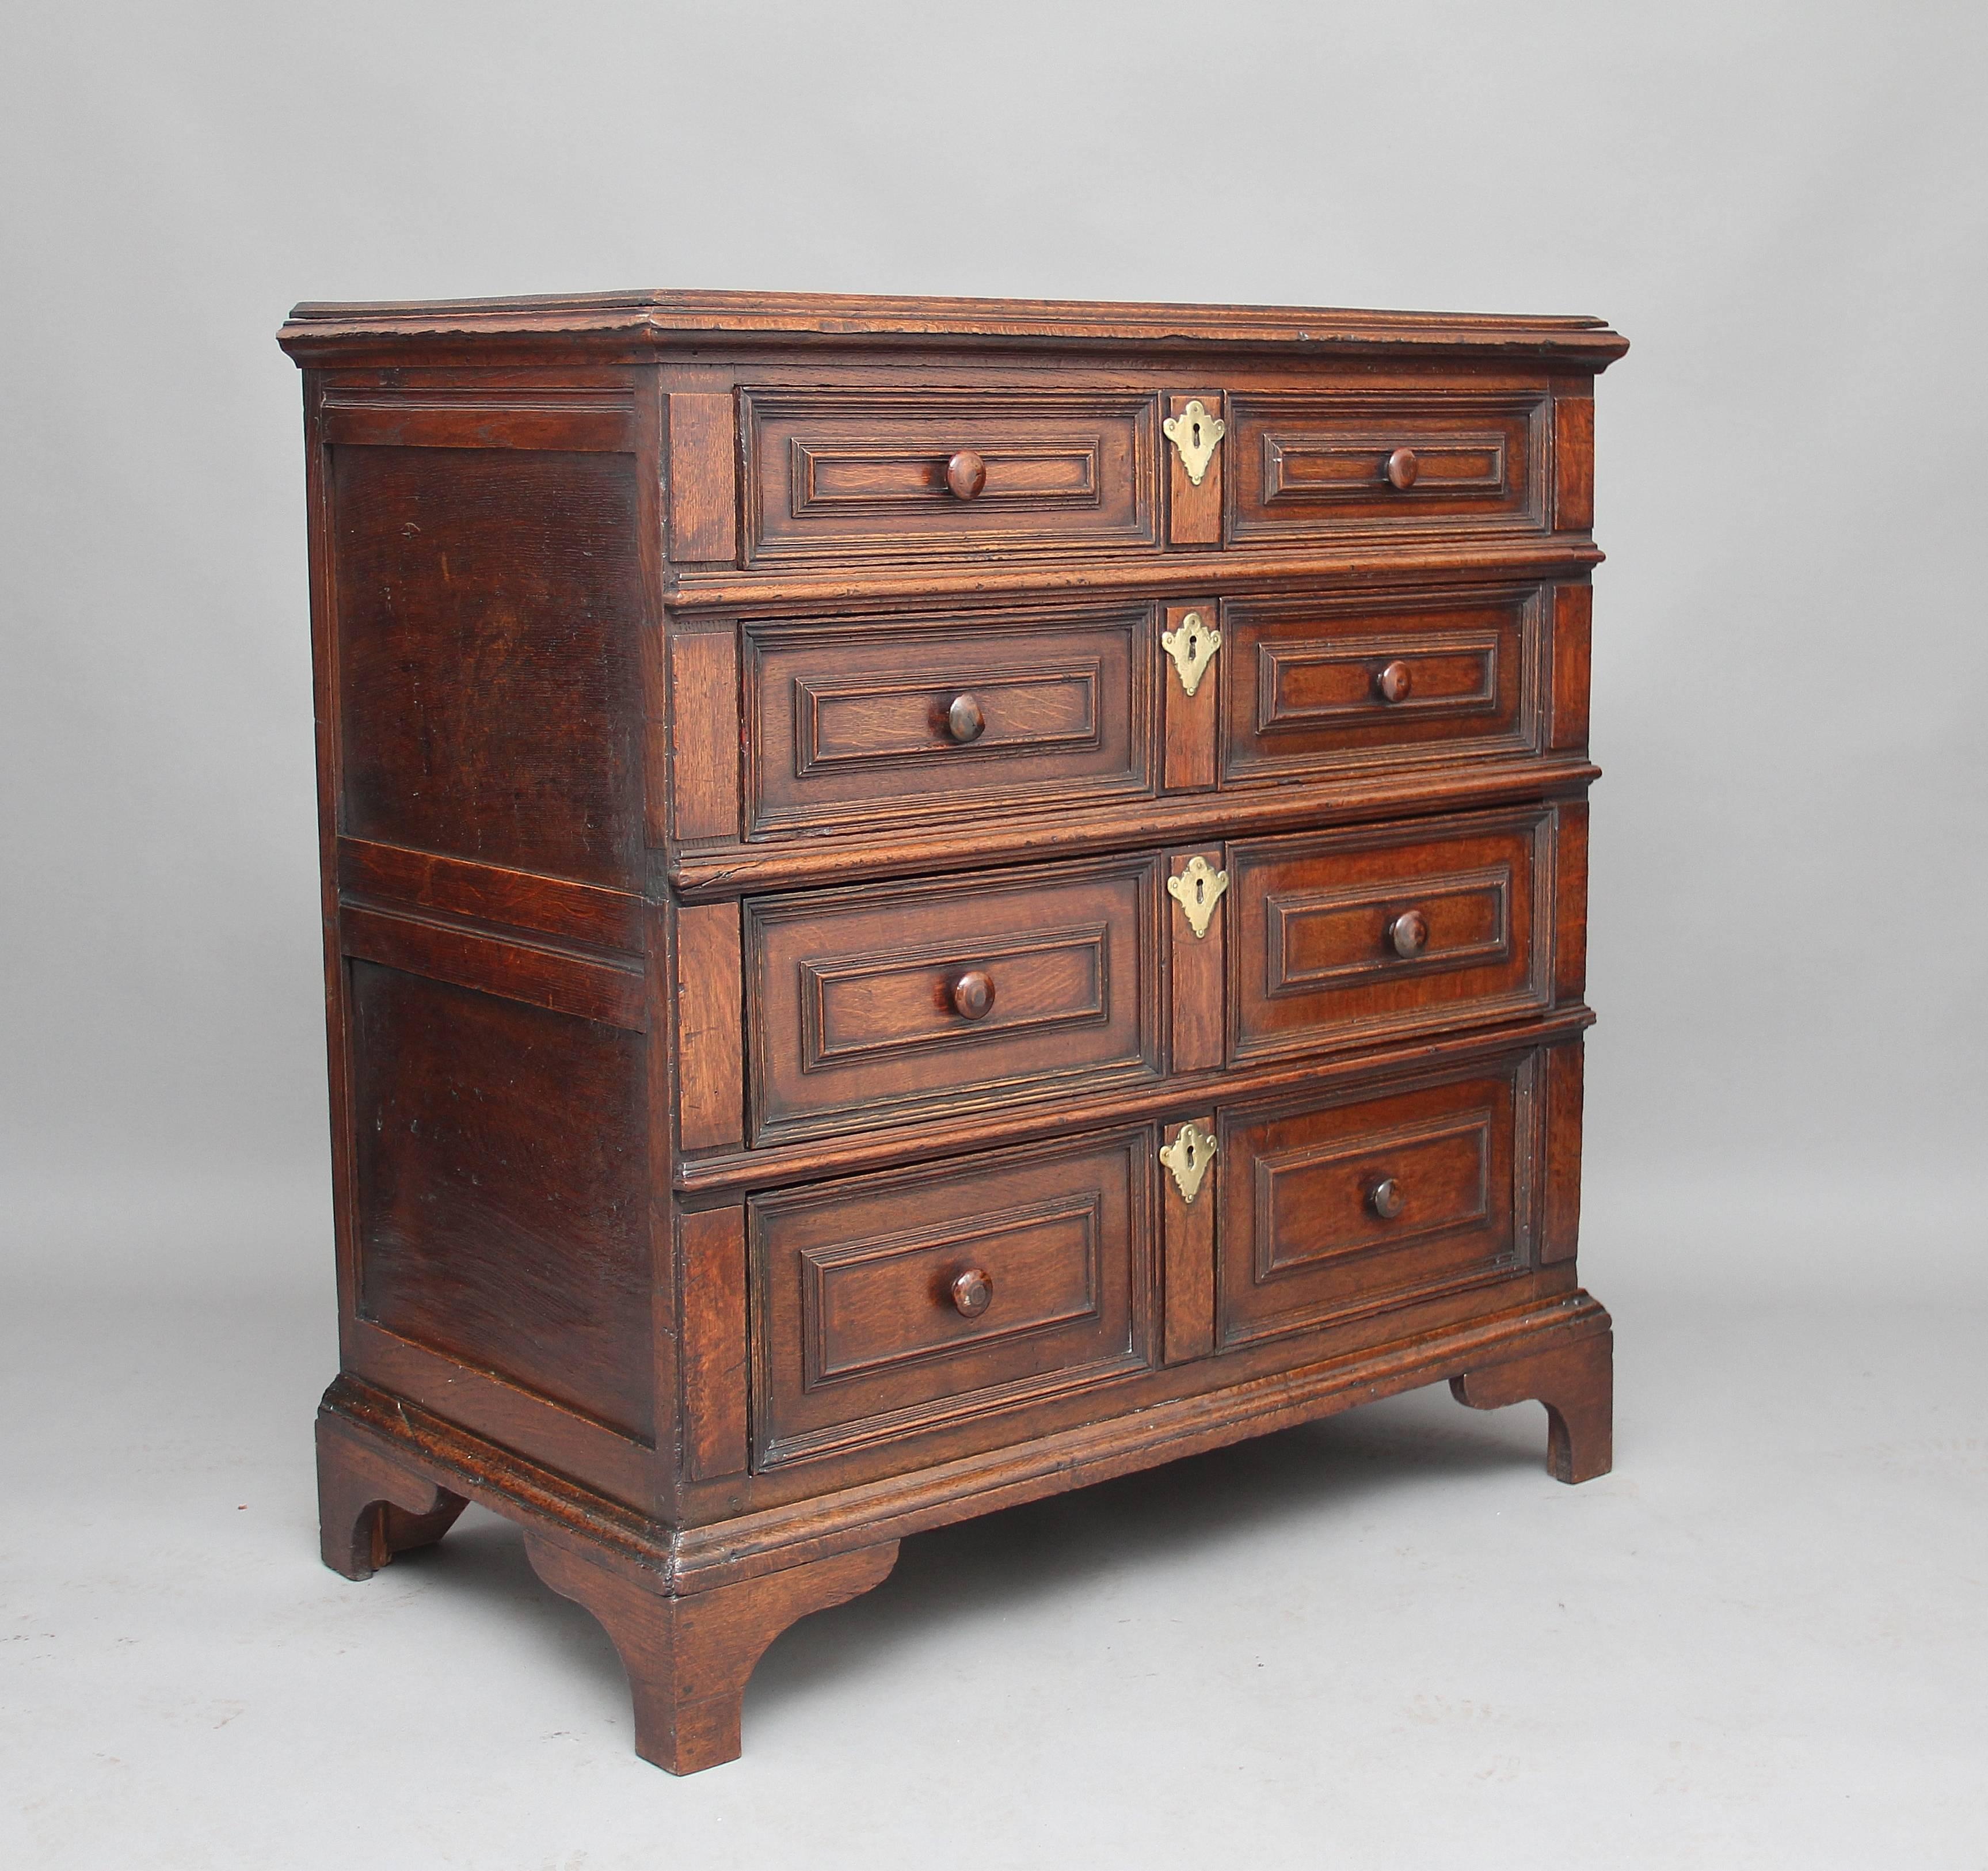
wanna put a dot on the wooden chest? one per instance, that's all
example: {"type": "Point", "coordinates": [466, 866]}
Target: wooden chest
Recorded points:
{"type": "Point", "coordinates": [927, 901]}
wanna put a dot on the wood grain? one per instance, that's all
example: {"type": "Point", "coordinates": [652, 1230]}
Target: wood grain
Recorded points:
{"type": "Point", "coordinates": [702, 478]}
{"type": "Point", "coordinates": [1194, 514]}
{"type": "Point", "coordinates": [710, 1017]}
{"type": "Point", "coordinates": [711, 1249]}
{"type": "Point", "coordinates": [1192, 722]}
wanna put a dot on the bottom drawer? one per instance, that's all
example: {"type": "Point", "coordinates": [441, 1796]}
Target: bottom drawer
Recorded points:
{"type": "Point", "coordinates": [891, 1304]}
{"type": "Point", "coordinates": [1330, 1210]}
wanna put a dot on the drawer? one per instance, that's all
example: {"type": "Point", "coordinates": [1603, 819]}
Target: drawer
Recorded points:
{"type": "Point", "coordinates": [874, 720]}
{"type": "Point", "coordinates": [1313, 466]}
{"type": "Point", "coordinates": [891, 1304]}
{"type": "Point", "coordinates": [1321, 685]}
{"type": "Point", "coordinates": [920, 474]}
{"type": "Point", "coordinates": [885, 1002]}
{"type": "Point", "coordinates": [1343, 938]}
{"type": "Point", "coordinates": [1375, 1198]}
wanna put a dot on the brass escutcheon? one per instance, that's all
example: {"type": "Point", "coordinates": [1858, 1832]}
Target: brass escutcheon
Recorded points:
{"type": "Point", "coordinates": [1188, 1159]}
{"type": "Point", "coordinates": [1195, 433]}
{"type": "Point", "coordinates": [1192, 647]}
{"type": "Point", "coordinates": [1197, 890]}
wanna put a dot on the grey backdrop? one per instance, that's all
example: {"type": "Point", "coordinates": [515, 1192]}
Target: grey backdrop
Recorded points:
{"type": "Point", "coordinates": [1781, 206]}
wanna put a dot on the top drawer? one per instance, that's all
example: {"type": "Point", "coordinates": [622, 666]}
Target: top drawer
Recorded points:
{"type": "Point", "coordinates": [1316, 467]}
{"type": "Point", "coordinates": [862, 474]}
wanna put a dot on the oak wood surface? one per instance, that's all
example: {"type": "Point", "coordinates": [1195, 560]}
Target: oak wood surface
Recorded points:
{"type": "Point", "coordinates": [750, 772]}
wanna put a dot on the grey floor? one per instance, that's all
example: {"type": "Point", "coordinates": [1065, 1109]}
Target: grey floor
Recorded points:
{"type": "Point", "coordinates": [1389, 1640]}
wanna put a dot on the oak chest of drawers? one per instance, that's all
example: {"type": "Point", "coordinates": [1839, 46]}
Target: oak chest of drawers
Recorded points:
{"type": "Point", "coordinates": [927, 901]}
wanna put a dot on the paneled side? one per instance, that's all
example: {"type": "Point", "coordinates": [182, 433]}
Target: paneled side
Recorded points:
{"type": "Point", "coordinates": [502, 1190]}
{"type": "Point", "coordinates": [488, 605]}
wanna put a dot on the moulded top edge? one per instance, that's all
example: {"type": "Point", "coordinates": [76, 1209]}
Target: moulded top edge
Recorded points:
{"type": "Point", "coordinates": [659, 318]}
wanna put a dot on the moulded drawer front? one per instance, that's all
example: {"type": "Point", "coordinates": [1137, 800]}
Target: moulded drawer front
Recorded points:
{"type": "Point", "coordinates": [863, 473]}
{"type": "Point", "coordinates": [893, 1303]}
{"type": "Point", "coordinates": [1373, 1199]}
{"type": "Point", "coordinates": [1343, 938]}
{"type": "Point", "coordinates": [1321, 685]}
{"type": "Point", "coordinates": [1309, 466]}
{"type": "Point", "coordinates": [874, 721]}
{"type": "Point", "coordinates": [883, 1003]}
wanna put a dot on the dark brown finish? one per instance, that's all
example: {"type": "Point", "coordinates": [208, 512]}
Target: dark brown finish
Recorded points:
{"type": "Point", "coordinates": [854, 724]}
{"type": "Point", "coordinates": [972, 994]}
{"type": "Point", "coordinates": [501, 1180]}
{"type": "Point", "coordinates": [369, 1509]}
{"type": "Point", "coordinates": [1339, 938]}
{"type": "Point", "coordinates": [1360, 1203]}
{"type": "Point", "coordinates": [704, 706]}
{"type": "Point", "coordinates": [1194, 514]}
{"type": "Point", "coordinates": [711, 1244]}
{"type": "Point", "coordinates": [711, 1017]}
{"type": "Point", "coordinates": [966, 474]}
{"type": "Point", "coordinates": [489, 610]}
{"type": "Point", "coordinates": [1193, 722]}
{"type": "Point", "coordinates": [1190, 1257]}
{"type": "Point", "coordinates": [972, 1292]}
{"type": "Point", "coordinates": [704, 479]}
{"type": "Point", "coordinates": [1309, 467]}
{"type": "Point", "coordinates": [688, 1659]}
{"type": "Point", "coordinates": [750, 773]}
{"type": "Point", "coordinates": [851, 1005]}
{"type": "Point", "coordinates": [861, 1336]}
{"type": "Point", "coordinates": [1352, 686]}
{"type": "Point", "coordinates": [839, 474]}
{"type": "Point", "coordinates": [1577, 1383]}
{"type": "Point", "coordinates": [1200, 976]}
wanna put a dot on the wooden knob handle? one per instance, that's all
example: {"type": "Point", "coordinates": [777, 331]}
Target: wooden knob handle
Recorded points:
{"type": "Point", "coordinates": [1393, 683]}
{"type": "Point", "coordinates": [1401, 469]}
{"type": "Point", "coordinates": [1385, 1199]}
{"type": "Point", "coordinates": [966, 474]}
{"type": "Point", "coordinates": [972, 994]}
{"type": "Point", "coordinates": [963, 720]}
{"type": "Point", "coordinates": [972, 1292]}
{"type": "Point", "coordinates": [1408, 933]}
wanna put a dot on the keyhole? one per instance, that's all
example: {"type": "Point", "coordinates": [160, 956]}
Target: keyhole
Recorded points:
{"type": "Point", "coordinates": [1200, 891]}
{"type": "Point", "coordinates": [1187, 1144]}
{"type": "Point", "coordinates": [1193, 646]}
{"type": "Point", "coordinates": [1197, 434]}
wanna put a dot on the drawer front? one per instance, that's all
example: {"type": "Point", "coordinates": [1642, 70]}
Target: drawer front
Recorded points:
{"type": "Point", "coordinates": [879, 1004]}
{"type": "Point", "coordinates": [1342, 938]}
{"type": "Point", "coordinates": [1315, 467]}
{"type": "Point", "coordinates": [874, 721]}
{"type": "Point", "coordinates": [1375, 1198]}
{"type": "Point", "coordinates": [891, 1304]}
{"type": "Point", "coordinates": [840, 474]}
{"type": "Point", "coordinates": [1323, 685]}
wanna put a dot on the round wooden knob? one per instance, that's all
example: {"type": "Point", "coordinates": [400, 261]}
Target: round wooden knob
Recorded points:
{"type": "Point", "coordinates": [972, 994]}
{"type": "Point", "coordinates": [972, 1292]}
{"type": "Point", "coordinates": [1401, 469]}
{"type": "Point", "coordinates": [1385, 1199]}
{"type": "Point", "coordinates": [1393, 683]}
{"type": "Point", "coordinates": [1408, 933]}
{"type": "Point", "coordinates": [966, 474]}
{"type": "Point", "coordinates": [963, 720]}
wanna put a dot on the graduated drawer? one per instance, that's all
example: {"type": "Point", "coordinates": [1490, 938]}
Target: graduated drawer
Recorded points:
{"type": "Point", "coordinates": [836, 473]}
{"type": "Point", "coordinates": [886, 1304]}
{"type": "Point", "coordinates": [872, 720]}
{"type": "Point", "coordinates": [1321, 685]}
{"type": "Point", "coordinates": [1374, 1198]}
{"type": "Point", "coordinates": [1343, 938]}
{"type": "Point", "coordinates": [1312, 466]}
{"type": "Point", "coordinates": [880, 1002]}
